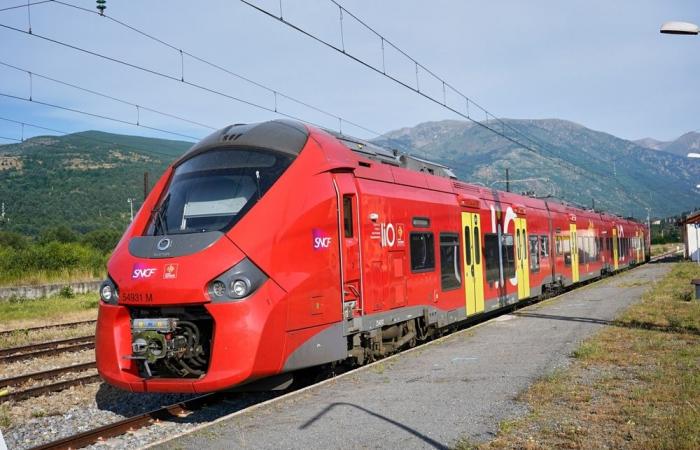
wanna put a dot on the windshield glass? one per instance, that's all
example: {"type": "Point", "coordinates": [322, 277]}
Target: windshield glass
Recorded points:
{"type": "Point", "coordinates": [213, 190]}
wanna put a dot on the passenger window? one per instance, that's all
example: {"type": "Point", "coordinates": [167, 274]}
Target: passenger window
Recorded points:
{"type": "Point", "coordinates": [508, 249]}
{"type": "Point", "coordinates": [450, 267]}
{"type": "Point", "coordinates": [347, 216]}
{"type": "Point", "coordinates": [491, 257]}
{"type": "Point", "coordinates": [534, 254]}
{"type": "Point", "coordinates": [544, 246]}
{"type": "Point", "coordinates": [422, 252]}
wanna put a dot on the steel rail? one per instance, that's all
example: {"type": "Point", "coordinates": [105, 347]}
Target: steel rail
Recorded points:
{"type": "Point", "coordinates": [83, 345]}
{"type": "Point", "coordinates": [46, 327]}
{"type": "Point", "coordinates": [131, 423]}
{"type": "Point", "coordinates": [45, 345]}
{"type": "Point", "coordinates": [48, 388]}
{"type": "Point", "coordinates": [45, 374]}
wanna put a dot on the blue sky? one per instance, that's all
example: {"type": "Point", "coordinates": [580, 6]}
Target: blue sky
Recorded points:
{"type": "Point", "coordinates": [599, 63]}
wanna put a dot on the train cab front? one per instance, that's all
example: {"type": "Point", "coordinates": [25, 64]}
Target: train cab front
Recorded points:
{"type": "Point", "coordinates": [184, 309]}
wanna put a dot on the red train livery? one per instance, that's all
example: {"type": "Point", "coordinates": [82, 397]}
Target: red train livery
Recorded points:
{"type": "Point", "coordinates": [273, 247]}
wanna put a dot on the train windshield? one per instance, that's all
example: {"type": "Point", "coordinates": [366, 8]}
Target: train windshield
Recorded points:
{"type": "Point", "coordinates": [214, 190]}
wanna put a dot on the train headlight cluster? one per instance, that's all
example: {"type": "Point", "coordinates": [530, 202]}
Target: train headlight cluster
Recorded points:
{"type": "Point", "coordinates": [108, 292]}
{"type": "Point", "coordinates": [237, 283]}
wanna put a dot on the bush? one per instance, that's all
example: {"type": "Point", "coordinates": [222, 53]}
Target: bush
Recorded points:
{"type": "Point", "coordinates": [13, 240]}
{"type": "Point", "coordinates": [66, 292]}
{"type": "Point", "coordinates": [60, 233]}
{"type": "Point", "coordinates": [104, 239]}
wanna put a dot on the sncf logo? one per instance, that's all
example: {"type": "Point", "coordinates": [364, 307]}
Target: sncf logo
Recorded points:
{"type": "Point", "coordinates": [320, 239]}
{"type": "Point", "coordinates": [140, 271]}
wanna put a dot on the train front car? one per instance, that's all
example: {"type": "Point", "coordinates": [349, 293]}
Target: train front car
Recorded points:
{"type": "Point", "coordinates": [199, 288]}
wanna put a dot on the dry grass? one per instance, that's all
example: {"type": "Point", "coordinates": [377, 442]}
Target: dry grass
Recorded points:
{"type": "Point", "coordinates": [635, 384]}
{"type": "Point", "coordinates": [39, 277]}
{"type": "Point", "coordinates": [659, 249]}
{"type": "Point", "coordinates": [20, 313]}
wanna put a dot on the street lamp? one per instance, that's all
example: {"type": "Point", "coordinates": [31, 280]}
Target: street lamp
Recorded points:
{"type": "Point", "coordinates": [686, 28]}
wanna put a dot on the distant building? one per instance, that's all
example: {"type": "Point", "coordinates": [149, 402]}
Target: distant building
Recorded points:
{"type": "Point", "coordinates": [691, 236]}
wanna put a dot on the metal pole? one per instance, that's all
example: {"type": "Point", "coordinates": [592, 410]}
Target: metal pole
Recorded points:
{"type": "Point", "coordinates": [131, 207]}
{"type": "Point", "coordinates": [145, 185]}
{"type": "Point", "coordinates": [507, 182]}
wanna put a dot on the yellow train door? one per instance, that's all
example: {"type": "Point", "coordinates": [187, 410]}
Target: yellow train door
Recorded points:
{"type": "Point", "coordinates": [472, 263]}
{"type": "Point", "coordinates": [615, 252]}
{"type": "Point", "coordinates": [522, 258]}
{"type": "Point", "coordinates": [573, 234]}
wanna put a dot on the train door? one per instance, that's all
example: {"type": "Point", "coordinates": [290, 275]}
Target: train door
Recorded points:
{"type": "Point", "coordinates": [573, 238]}
{"type": "Point", "coordinates": [473, 266]}
{"type": "Point", "coordinates": [614, 248]}
{"type": "Point", "coordinates": [637, 246]}
{"type": "Point", "coordinates": [522, 258]}
{"type": "Point", "coordinates": [350, 249]}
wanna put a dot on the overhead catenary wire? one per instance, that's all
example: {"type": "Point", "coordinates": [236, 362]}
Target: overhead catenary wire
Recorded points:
{"type": "Point", "coordinates": [445, 85]}
{"type": "Point", "coordinates": [275, 93]}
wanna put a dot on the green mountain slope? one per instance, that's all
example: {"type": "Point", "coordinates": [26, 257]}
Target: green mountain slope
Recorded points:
{"type": "Point", "coordinates": [82, 180]}
{"type": "Point", "coordinates": [579, 164]}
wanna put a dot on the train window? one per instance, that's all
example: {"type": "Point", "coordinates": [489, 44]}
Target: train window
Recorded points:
{"type": "Point", "coordinates": [491, 257]}
{"type": "Point", "coordinates": [422, 252]}
{"type": "Point", "coordinates": [450, 267]}
{"type": "Point", "coordinates": [468, 245]}
{"type": "Point", "coordinates": [477, 249]}
{"type": "Point", "coordinates": [558, 246]}
{"type": "Point", "coordinates": [347, 215]}
{"type": "Point", "coordinates": [566, 247]}
{"type": "Point", "coordinates": [534, 254]}
{"type": "Point", "coordinates": [519, 246]}
{"type": "Point", "coordinates": [421, 222]}
{"type": "Point", "coordinates": [508, 250]}
{"type": "Point", "coordinates": [544, 246]}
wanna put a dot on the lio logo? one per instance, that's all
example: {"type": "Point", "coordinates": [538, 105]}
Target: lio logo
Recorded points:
{"type": "Point", "coordinates": [141, 271]}
{"type": "Point", "coordinates": [321, 240]}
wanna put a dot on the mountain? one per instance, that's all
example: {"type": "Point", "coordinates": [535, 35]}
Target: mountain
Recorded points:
{"type": "Point", "coordinates": [651, 143]}
{"type": "Point", "coordinates": [570, 161]}
{"type": "Point", "coordinates": [689, 142]}
{"type": "Point", "coordinates": [82, 180]}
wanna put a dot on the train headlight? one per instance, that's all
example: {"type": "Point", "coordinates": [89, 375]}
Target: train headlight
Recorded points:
{"type": "Point", "coordinates": [219, 288]}
{"type": "Point", "coordinates": [239, 288]}
{"type": "Point", "coordinates": [108, 292]}
{"type": "Point", "coordinates": [242, 280]}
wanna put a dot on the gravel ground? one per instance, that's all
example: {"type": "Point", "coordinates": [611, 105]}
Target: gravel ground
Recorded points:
{"type": "Point", "coordinates": [73, 316]}
{"type": "Point", "coordinates": [17, 368]}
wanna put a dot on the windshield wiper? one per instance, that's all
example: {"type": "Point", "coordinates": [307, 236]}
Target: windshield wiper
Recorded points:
{"type": "Point", "coordinates": [161, 223]}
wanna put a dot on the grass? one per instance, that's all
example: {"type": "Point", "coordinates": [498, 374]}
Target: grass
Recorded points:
{"type": "Point", "coordinates": [38, 277]}
{"type": "Point", "coordinates": [636, 384]}
{"type": "Point", "coordinates": [45, 308]}
{"type": "Point", "coordinates": [658, 249]}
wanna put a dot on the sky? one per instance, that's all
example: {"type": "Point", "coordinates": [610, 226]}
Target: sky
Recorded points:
{"type": "Point", "coordinates": [599, 63]}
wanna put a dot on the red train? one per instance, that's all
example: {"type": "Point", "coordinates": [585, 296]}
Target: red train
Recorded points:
{"type": "Point", "coordinates": [277, 246]}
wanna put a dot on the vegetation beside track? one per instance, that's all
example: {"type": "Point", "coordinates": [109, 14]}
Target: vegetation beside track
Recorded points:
{"type": "Point", "coordinates": [47, 310]}
{"type": "Point", "coordinates": [636, 384]}
{"type": "Point", "coordinates": [660, 249]}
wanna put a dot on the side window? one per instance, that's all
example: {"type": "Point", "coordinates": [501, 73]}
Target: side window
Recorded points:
{"type": "Point", "coordinates": [508, 249]}
{"type": "Point", "coordinates": [567, 250]}
{"type": "Point", "coordinates": [450, 267]}
{"type": "Point", "coordinates": [347, 216]}
{"type": "Point", "coordinates": [534, 254]}
{"type": "Point", "coordinates": [422, 252]}
{"type": "Point", "coordinates": [559, 248]}
{"type": "Point", "coordinates": [544, 246]}
{"type": "Point", "coordinates": [491, 257]}
{"type": "Point", "coordinates": [468, 245]}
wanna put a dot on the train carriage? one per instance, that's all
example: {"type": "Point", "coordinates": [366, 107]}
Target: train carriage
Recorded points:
{"type": "Point", "coordinates": [273, 247]}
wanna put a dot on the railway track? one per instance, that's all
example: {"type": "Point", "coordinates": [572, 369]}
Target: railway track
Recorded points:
{"type": "Point", "coordinates": [46, 327]}
{"type": "Point", "coordinates": [50, 348]}
{"type": "Point", "coordinates": [132, 423]}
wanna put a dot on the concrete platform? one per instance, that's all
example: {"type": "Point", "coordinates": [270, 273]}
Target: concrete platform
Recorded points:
{"type": "Point", "coordinates": [462, 385]}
